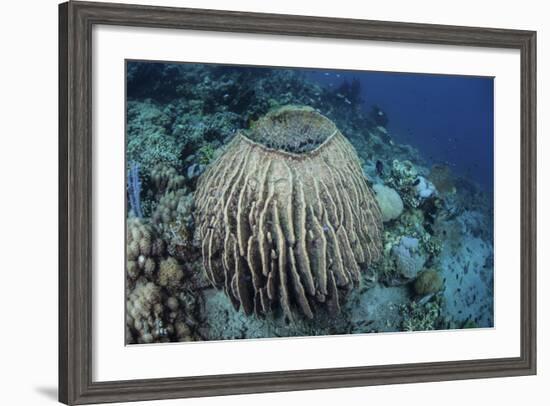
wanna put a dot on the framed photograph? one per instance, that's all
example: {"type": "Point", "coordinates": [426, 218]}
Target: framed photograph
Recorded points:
{"type": "Point", "coordinates": [259, 202]}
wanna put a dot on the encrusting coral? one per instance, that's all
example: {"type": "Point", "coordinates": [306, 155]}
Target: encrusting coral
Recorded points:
{"type": "Point", "coordinates": [285, 225]}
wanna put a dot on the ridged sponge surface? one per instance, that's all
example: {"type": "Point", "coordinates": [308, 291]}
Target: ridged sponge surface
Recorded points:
{"type": "Point", "coordinates": [287, 230]}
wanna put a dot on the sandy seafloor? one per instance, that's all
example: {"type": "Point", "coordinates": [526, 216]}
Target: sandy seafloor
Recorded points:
{"type": "Point", "coordinates": [180, 117]}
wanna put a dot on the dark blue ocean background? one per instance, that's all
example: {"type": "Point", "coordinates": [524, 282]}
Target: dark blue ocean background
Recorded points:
{"type": "Point", "coordinates": [448, 118]}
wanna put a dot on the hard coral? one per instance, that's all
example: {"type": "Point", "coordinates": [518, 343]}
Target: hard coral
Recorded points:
{"type": "Point", "coordinates": [173, 218]}
{"type": "Point", "coordinates": [421, 316]}
{"type": "Point", "coordinates": [440, 176]}
{"type": "Point", "coordinates": [152, 315]}
{"type": "Point", "coordinates": [428, 282]}
{"type": "Point", "coordinates": [170, 273]}
{"type": "Point", "coordinates": [142, 248]}
{"type": "Point", "coordinates": [289, 223]}
{"type": "Point", "coordinates": [404, 178]}
{"type": "Point", "coordinates": [389, 201]}
{"type": "Point", "coordinates": [144, 313]}
{"type": "Point", "coordinates": [166, 179]}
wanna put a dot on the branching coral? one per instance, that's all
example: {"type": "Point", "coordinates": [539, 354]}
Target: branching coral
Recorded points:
{"type": "Point", "coordinates": [288, 224]}
{"type": "Point", "coordinates": [148, 139]}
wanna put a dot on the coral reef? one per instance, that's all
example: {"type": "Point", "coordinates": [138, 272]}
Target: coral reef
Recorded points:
{"type": "Point", "coordinates": [419, 316]}
{"type": "Point", "coordinates": [428, 282]}
{"type": "Point", "coordinates": [173, 218]}
{"type": "Point", "coordinates": [150, 141]}
{"type": "Point", "coordinates": [166, 179]}
{"type": "Point", "coordinates": [424, 188]}
{"type": "Point", "coordinates": [389, 201]}
{"type": "Point", "coordinates": [144, 310]}
{"type": "Point", "coordinates": [287, 229]}
{"type": "Point", "coordinates": [134, 190]}
{"type": "Point", "coordinates": [154, 316]}
{"type": "Point", "coordinates": [440, 175]}
{"type": "Point", "coordinates": [170, 273]}
{"type": "Point", "coordinates": [185, 121]}
{"type": "Point", "coordinates": [280, 130]}
{"type": "Point", "coordinates": [143, 247]}
{"type": "Point", "coordinates": [408, 259]}
{"type": "Point", "coordinates": [404, 178]}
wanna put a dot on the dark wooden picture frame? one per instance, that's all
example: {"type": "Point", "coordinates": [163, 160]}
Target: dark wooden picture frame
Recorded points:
{"type": "Point", "coordinates": [76, 20]}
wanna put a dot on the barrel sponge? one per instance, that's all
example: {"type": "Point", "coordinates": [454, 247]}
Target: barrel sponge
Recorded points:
{"type": "Point", "coordinates": [389, 201]}
{"type": "Point", "coordinates": [285, 217]}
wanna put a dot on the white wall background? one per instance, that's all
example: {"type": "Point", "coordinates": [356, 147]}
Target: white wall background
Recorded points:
{"type": "Point", "coordinates": [28, 200]}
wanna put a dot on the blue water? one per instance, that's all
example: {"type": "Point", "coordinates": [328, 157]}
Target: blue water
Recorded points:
{"type": "Point", "coordinates": [448, 118]}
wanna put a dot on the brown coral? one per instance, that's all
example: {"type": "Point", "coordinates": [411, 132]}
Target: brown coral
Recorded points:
{"type": "Point", "coordinates": [173, 219]}
{"type": "Point", "coordinates": [288, 224]}
{"type": "Point", "coordinates": [170, 273]}
{"type": "Point", "coordinates": [142, 247]}
{"type": "Point", "coordinates": [428, 282]}
{"type": "Point", "coordinates": [441, 177]}
{"type": "Point", "coordinates": [154, 316]}
{"type": "Point", "coordinates": [166, 178]}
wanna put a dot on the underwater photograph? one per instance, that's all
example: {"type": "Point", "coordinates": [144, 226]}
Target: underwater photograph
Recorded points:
{"type": "Point", "coordinates": [269, 202]}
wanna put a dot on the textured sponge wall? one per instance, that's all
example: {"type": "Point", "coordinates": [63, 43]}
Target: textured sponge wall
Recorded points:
{"type": "Point", "coordinates": [287, 230]}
